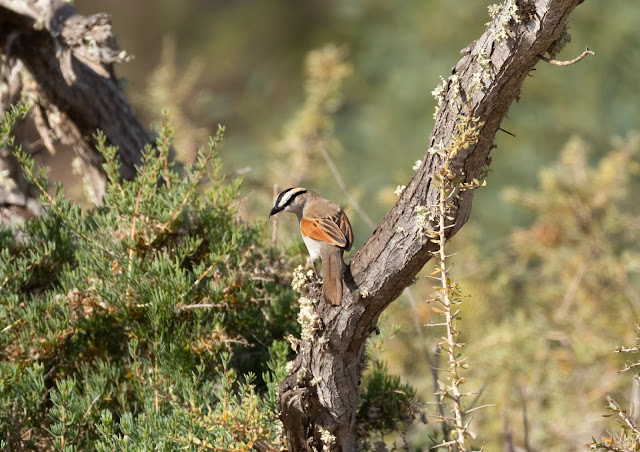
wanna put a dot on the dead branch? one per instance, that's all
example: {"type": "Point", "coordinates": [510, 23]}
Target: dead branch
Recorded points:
{"type": "Point", "coordinates": [65, 63]}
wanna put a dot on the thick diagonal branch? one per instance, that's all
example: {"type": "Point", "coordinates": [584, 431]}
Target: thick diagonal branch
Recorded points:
{"type": "Point", "coordinates": [69, 61]}
{"type": "Point", "coordinates": [485, 81]}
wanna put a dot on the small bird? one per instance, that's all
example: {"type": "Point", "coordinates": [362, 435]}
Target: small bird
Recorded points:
{"type": "Point", "coordinates": [326, 232]}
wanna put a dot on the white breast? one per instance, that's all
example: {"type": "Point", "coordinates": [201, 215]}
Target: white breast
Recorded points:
{"type": "Point", "coordinates": [313, 246]}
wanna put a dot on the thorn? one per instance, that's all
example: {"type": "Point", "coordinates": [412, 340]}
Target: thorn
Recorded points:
{"type": "Point", "coordinates": [506, 131]}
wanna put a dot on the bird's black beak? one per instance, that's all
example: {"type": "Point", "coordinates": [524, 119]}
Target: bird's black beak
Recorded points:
{"type": "Point", "coordinates": [274, 211]}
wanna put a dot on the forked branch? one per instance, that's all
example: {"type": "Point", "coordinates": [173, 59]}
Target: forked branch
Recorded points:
{"type": "Point", "coordinates": [319, 398]}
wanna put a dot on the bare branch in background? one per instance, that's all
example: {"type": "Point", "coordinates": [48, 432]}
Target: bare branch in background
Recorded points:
{"type": "Point", "coordinates": [62, 63]}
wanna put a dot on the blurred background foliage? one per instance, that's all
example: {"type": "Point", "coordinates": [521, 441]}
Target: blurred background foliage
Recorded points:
{"type": "Point", "coordinates": [550, 254]}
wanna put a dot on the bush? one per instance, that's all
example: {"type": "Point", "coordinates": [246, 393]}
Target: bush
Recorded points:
{"type": "Point", "coordinates": [157, 318]}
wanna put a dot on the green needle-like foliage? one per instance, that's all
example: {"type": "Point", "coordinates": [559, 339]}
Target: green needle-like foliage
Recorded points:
{"type": "Point", "coordinates": [385, 401]}
{"type": "Point", "coordinates": [140, 324]}
{"type": "Point", "coordinates": [156, 321]}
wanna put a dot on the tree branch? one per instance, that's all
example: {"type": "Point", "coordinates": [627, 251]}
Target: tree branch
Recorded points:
{"type": "Point", "coordinates": [586, 52]}
{"type": "Point", "coordinates": [318, 400]}
{"type": "Point", "coordinates": [69, 61]}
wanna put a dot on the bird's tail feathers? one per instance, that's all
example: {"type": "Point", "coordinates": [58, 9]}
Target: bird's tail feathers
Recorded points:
{"type": "Point", "coordinates": [332, 275]}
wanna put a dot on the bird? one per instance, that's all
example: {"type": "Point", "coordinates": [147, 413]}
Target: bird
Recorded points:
{"type": "Point", "coordinates": [326, 232]}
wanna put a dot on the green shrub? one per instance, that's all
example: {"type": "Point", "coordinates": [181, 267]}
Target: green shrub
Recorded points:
{"type": "Point", "coordinates": [152, 320]}
{"type": "Point", "coordinates": [155, 321]}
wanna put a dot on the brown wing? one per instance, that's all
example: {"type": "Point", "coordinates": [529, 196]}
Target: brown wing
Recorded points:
{"type": "Point", "coordinates": [324, 229]}
{"type": "Point", "coordinates": [345, 227]}
{"type": "Point", "coordinates": [335, 231]}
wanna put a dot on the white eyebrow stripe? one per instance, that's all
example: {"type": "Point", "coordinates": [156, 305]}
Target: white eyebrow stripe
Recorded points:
{"type": "Point", "coordinates": [293, 192]}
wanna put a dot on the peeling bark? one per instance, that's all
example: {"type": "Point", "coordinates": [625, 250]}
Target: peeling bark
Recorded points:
{"type": "Point", "coordinates": [17, 203]}
{"type": "Point", "coordinates": [68, 59]}
{"type": "Point", "coordinates": [321, 392]}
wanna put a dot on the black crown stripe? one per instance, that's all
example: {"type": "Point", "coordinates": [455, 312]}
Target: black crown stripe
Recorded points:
{"type": "Point", "coordinates": [290, 200]}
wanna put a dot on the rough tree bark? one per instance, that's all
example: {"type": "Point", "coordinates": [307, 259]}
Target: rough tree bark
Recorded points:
{"type": "Point", "coordinates": [62, 61]}
{"type": "Point", "coordinates": [496, 65]}
{"type": "Point", "coordinates": [68, 58]}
